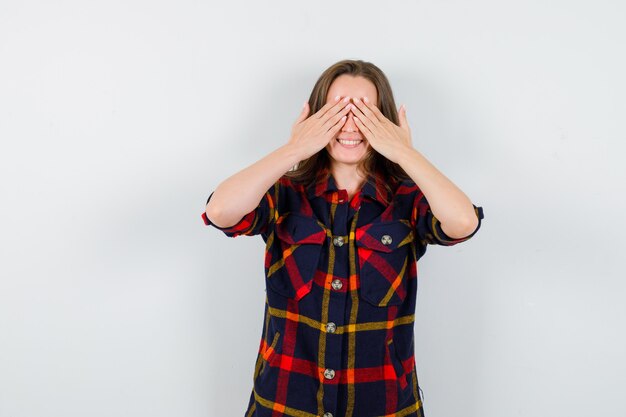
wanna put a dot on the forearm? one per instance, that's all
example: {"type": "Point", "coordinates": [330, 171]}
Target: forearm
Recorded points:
{"type": "Point", "coordinates": [447, 202]}
{"type": "Point", "coordinates": [240, 193]}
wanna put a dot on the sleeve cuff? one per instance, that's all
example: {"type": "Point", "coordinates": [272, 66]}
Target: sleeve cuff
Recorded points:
{"type": "Point", "coordinates": [444, 239]}
{"type": "Point", "coordinates": [250, 224]}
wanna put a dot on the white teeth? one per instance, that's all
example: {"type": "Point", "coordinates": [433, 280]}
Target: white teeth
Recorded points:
{"type": "Point", "coordinates": [349, 142]}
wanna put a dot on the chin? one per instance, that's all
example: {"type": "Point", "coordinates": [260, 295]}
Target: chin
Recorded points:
{"type": "Point", "coordinates": [347, 157]}
{"type": "Point", "coordinates": [340, 154]}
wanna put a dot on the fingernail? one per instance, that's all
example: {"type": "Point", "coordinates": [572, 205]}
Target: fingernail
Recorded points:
{"type": "Point", "coordinates": [337, 98]}
{"type": "Point", "coordinates": [365, 99]}
{"type": "Point", "coordinates": [304, 105]}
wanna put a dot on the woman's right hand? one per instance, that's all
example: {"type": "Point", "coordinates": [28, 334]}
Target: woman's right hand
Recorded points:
{"type": "Point", "coordinates": [310, 135]}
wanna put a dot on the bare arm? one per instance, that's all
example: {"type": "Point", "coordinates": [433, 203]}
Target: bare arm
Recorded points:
{"type": "Point", "coordinates": [240, 193]}
{"type": "Point", "coordinates": [448, 203]}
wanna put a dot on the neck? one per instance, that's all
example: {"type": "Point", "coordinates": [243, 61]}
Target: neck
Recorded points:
{"type": "Point", "coordinates": [346, 176]}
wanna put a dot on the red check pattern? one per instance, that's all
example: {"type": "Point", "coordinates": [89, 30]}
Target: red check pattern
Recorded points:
{"type": "Point", "coordinates": [341, 280]}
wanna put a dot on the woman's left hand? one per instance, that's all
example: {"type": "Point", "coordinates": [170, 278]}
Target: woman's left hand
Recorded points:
{"type": "Point", "coordinates": [389, 139]}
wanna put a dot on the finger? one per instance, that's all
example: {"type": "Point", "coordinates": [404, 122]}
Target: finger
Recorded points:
{"type": "Point", "coordinates": [332, 107]}
{"type": "Point", "coordinates": [363, 117]}
{"type": "Point", "coordinates": [402, 117]}
{"type": "Point", "coordinates": [379, 115]}
{"type": "Point", "coordinates": [325, 107]}
{"type": "Point", "coordinates": [335, 109]}
{"type": "Point", "coordinates": [334, 128]}
{"type": "Point", "coordinates": [332, 120]}
{"type": "Point", "coordinates": [365, 109]}
{"type": "Point", "coordinates": [304, 113]}
{"type": "Point", "coordinates": [364, 129]}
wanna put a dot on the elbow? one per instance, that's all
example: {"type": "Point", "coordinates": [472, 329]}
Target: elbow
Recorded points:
{"type": "Point", "coordinates": [218, 218]}
{"type": "Point", "coordinates": [214, 215]}
{"type": "Point", "coordinates": [462, 228]}
{"type": "Point", "coordinates": [210, 210]}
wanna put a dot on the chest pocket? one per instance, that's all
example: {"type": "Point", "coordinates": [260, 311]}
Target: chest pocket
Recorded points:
{"type": "Point", "coordinates": [292, 256]}
{"type": "Point", "coordinates": [384, 256]}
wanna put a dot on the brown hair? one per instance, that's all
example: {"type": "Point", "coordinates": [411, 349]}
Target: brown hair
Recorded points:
{"type": "Point", "coordinates": [306, 171]}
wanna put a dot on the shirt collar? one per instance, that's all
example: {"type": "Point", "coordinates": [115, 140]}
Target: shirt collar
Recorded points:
{"type": "Point", "coordinates": [374, 186]}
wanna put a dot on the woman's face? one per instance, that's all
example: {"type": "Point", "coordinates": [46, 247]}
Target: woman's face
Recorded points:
{"type": "Point", "coordinates": [350, 86]}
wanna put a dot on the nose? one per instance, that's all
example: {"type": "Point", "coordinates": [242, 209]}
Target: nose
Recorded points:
{"type": "Point", "coordinates": [349, 125]}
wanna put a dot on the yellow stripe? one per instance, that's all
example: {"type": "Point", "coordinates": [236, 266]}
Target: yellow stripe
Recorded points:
{"type": "Point", "coordinates": [290, 411]}
{"type": "Point", "coordinates": [359, 327]}
{"type": "Point", "coordinates": [325, 302]}
{"type": "Point", "coordinates": [352, 325]}
{"type": "Point", "coordinates": [259, 360]}
{"type": "Point", "coordinates": [405, 411]}
{"type": "Point", "coordinates": [394, 285]}
{"type": "Point", "coordinates": [252, 410]}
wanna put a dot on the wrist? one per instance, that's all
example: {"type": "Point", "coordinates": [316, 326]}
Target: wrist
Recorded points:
{"type": "Point", "coordinates": [406, 156]}
{"type": "Point", "coordinates": [290, 153]}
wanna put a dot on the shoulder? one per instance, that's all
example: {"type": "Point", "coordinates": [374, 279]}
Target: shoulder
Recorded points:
{"type": "Point", "coordinates": [282, 184]}
{"type": "Point", "coordinates": [285, 181]}
{"type": "Point", "coordinates": [406, 188]}
{"type": "Point", "coordinates": [289, 184]}
{"type": "Point", "coordinates": [286, 192]}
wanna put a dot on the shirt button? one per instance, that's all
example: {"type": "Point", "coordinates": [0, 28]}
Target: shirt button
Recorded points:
{"type": "Point", "coordinates": [329, 373]}
{"type": "Point", "coordinates": [386, 240]}
{"type": "Point", "coordinates": [338, 241]}
{"type": "Point", "coordinates": [330, 327]}
{"type": "Point", "coordinates": [328, 414]}
{"type": "Point", "coordinates": [337, 284]}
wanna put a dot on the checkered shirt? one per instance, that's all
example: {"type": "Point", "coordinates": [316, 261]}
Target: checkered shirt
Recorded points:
{"type": "Point", "coordinates": [341, 286]}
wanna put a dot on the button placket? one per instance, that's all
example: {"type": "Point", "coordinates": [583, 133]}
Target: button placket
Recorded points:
{"type": "Point", "coordinates": [339, 239]}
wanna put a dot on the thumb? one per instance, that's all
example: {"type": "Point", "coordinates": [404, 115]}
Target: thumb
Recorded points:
{"type": "Point", "coordinates": [402, 117]}
{"type": "Point", "coordinates": [304, 113]}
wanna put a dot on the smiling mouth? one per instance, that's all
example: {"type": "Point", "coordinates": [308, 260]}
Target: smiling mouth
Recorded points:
{"type": "Point", "coordinates": [349, 142]}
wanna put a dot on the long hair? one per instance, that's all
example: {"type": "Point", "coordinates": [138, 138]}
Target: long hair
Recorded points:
{"type": "Point", "coordinates": [306, 171]}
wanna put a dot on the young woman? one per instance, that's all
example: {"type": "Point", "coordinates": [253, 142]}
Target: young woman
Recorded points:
{"type": "Point", "coordinates": [343, 233]}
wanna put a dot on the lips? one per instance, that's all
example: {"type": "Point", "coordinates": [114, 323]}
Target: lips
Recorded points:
{"type": "Point", "coordinates": [352, 144]}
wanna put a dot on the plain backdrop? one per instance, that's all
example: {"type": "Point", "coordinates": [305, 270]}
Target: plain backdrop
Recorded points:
{"type": "Point", "coordinates": [117, 118]}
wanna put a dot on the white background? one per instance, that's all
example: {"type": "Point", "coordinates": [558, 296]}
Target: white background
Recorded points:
{"type": "Point", "coordinates": [117, 118]}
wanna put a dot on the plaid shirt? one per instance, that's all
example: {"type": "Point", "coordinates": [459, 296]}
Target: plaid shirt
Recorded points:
{"type": "Point", "coordinates": [341, 286]}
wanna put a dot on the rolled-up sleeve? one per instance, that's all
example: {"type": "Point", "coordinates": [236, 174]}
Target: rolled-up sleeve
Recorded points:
{"type": "Point", "coordinates": [428, 227]}
{"type": "Point", "coordinates": [254, 222]}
